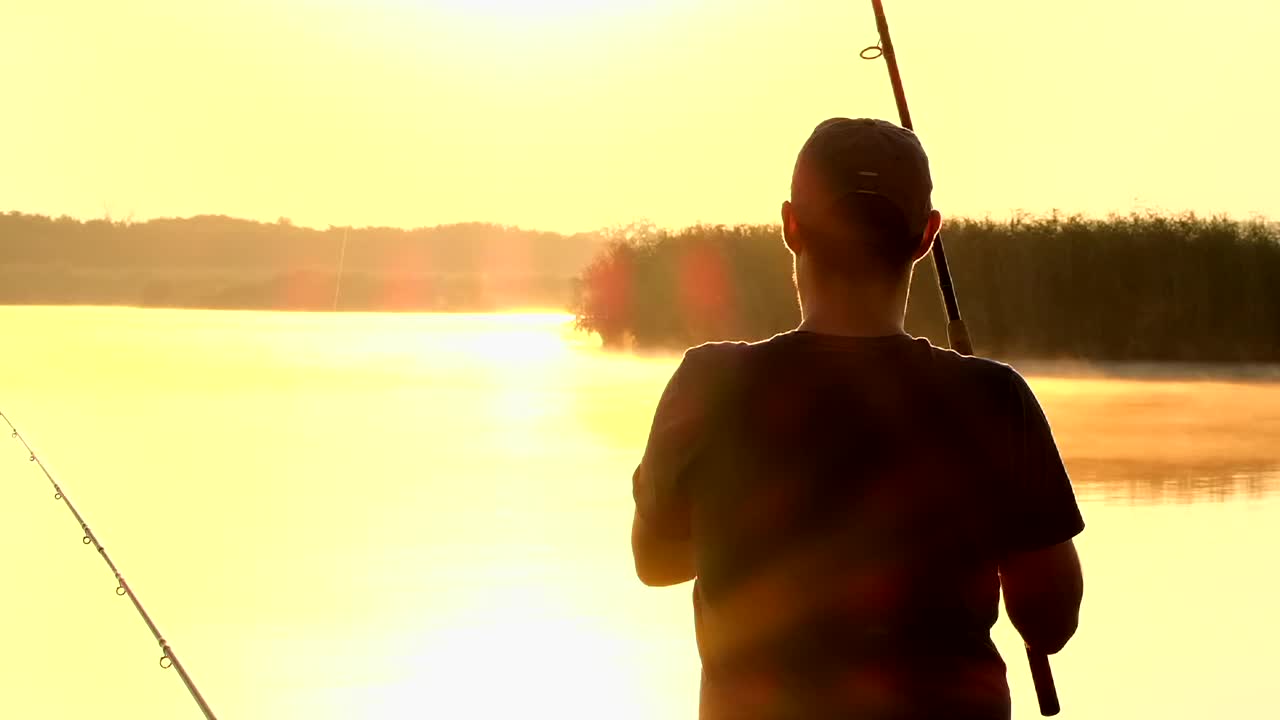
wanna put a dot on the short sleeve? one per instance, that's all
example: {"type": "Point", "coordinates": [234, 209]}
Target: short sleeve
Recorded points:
{"type": "Point", "coordinates": [658, 484]}
{"type": "Point", "coordinates": [1040, 509]}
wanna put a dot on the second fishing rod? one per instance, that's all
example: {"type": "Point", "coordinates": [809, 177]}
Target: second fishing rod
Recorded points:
{"type": "Point", "coordinates": [168, 659]}
{"type": "Point", "coordinates": [957, 333]}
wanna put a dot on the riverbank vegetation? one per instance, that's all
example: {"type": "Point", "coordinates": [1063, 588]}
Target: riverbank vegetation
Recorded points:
{"type": "Point", "coordinates": [1138, 287]}
{"type": "Point", "coordinates": [1132, 288]}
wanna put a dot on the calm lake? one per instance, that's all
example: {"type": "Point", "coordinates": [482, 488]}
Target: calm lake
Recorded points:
{"type": "Point", "coordinates": [416, 516]}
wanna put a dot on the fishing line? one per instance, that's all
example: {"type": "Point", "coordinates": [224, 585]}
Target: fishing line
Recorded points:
{"type": "Point", "coordinates": [167, 658]}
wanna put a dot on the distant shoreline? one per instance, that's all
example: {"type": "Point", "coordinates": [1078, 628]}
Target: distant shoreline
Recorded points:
{"type": "Point", "coordinates": [228, 263]}
{"type": "Point", "coordinates": [1177, 293]}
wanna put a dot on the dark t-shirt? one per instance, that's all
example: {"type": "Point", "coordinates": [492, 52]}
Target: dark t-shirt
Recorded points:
{"type": "Point", "coordinates": [848, 501]}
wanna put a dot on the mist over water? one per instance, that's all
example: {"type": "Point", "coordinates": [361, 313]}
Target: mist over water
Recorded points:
{"type": "Point", "coordinates": [405, 516]}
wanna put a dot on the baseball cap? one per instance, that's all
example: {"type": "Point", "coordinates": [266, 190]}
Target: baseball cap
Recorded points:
{"type": "Point", "coordinates": [845, 156]}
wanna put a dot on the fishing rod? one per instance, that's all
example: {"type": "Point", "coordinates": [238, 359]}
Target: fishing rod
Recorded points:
{"type": "Point", "coordinates": [167, 658]}
{"type": "Point", "coordinates": [957, 333]}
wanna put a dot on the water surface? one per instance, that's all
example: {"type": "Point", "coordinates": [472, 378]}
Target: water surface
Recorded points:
{"type": "Point", "coordinates": [408, 516]}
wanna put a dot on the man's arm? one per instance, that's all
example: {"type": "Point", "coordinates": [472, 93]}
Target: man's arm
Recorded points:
{"type": "Point", "coordinates": [660, 529]}
{"type": "Point", "coordinates": [1042, 594]}
{"type": "Point", "coordinates": [660, 560]}
{"type": "Point", "coordinates": [1039, 569]}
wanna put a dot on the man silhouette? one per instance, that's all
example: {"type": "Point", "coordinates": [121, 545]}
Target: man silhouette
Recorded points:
{"type": "Point", "coordinates": [851, 499]}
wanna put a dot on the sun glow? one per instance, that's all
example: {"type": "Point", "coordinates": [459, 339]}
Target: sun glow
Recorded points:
{"type": "Point", "coordinates": [546, 11]}
{"type": "Point", "coordinates": [509, 662]}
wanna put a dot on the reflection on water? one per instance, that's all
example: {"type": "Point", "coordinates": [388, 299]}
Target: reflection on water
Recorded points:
{"type": "Point", "coordinates": [426, 516]}
{"type": "Point", "coordinates": [1152, 482]}
{"type": "Point", "coordinates": [1211, 437]}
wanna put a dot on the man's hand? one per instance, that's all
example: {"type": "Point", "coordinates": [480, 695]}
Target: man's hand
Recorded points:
{"type": "Point", "coordinates": [1042, 593]}
{"type": "Point", "coordinates": [660, 561]}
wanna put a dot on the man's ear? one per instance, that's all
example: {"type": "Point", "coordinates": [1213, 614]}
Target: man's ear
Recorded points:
{"type": "Point", "coordinates": [931, 230]}
{"type": "Point", "coordinates": [790, 234]}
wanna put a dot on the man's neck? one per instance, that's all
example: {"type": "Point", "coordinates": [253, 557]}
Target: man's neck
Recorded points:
{"type": "Point", "coordinates": [849, 327]}
{"type": "Point", "coordinates": [854, 314]}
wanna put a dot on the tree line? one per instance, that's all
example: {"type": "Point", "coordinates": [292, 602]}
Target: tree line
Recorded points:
{"type": "Point", "coordinates": [1142, 287]}
{"type": "Point", "coordinates": [1137, 287]}
{"type": "Point", "coordinates": [214, 261]}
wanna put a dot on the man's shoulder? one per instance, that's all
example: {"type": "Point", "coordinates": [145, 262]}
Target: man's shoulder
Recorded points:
{"type": "Point", "coordinates": [713, 356]}
{"type": "Point", "coordinates": [720, 367]}
{"type": "Point", "coordinates": [719, 349]}
{"type": "Point", "coordinates": [974, 366]}
{"type": "Point", "coordinates": [983, 374]}
{"type": "Point", "coordinates": [990, 383]}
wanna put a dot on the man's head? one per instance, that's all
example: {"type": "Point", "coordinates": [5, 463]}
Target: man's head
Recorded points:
{"type": "Point", "coordinates": [860, 207]}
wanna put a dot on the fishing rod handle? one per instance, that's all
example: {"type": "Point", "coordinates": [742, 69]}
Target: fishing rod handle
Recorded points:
{"type": "Point", "coordinates": [1042, 678]}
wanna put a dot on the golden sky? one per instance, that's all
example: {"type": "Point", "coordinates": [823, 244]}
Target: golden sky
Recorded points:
{"type": "Point", "coordinates": [571, 114]}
